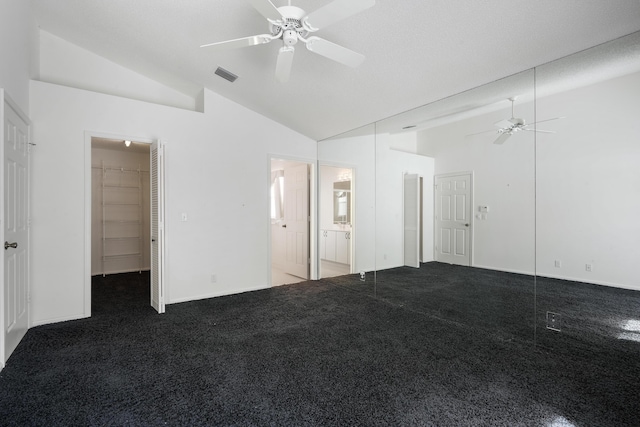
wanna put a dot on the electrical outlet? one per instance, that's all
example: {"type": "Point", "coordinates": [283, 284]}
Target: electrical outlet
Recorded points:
{"type": "Point", "coordinates": [214, 278]}
{"type": "Point", "coordinates": [588, 267]}
{"type": "Point", "coordinates": [558, 264]}
{"type": "Point", "coordinates": [183, 217]}
{"type": "Point", "coordinates": [362, 276]}
{"type": "Point", "coordinates": [554, 321]}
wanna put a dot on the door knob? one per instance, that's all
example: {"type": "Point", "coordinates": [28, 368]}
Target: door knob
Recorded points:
{"type": "Point", "coordinates": [466, 225]}
{"type": "Point", "coordinates": [8, 245]}
{"type": "Point", "coordinates": [284, 226]}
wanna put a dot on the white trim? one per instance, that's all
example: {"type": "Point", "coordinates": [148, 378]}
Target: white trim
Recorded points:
{"type": "Point", "coordinates": [88, 135]}
{"type": "Point", "coordinates": [504, 270]}
{"type": "Point", "coordinates": [3, 96]}
{"type": "Point", "coordinates": [221, 294]}
{"type": "Point", "coordinates": [59, 319]}
{"type": "Point", "coordinates": [590, 282]}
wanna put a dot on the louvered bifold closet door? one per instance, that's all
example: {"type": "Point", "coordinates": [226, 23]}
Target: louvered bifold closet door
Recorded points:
{"type": "Point", "coordinates": [157, 227]}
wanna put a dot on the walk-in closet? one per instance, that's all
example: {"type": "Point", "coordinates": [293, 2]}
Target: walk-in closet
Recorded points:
{"type": "Point", "coordinates": [120, 208]}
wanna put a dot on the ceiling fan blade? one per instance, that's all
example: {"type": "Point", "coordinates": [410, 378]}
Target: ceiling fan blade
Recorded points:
{"type": "Point", "coordinates": [243, 42]}
{"type": "Point", "coordinates": [480, 133]}
{"type": "Point", "coordinates": [539, 130]}
{"type": "Point", "coordinates": [284, 63]}
{"type": "Point", "coordinates": [336, 11]}
{"type": "Point", "coordinates": [266, 9]}
{"type": "Point", "coordinates": [502, 138]}
{"type": "Point", "coordinates": [547, 120]}
{"type": "Point", "coordinates": [503, 124]}
{"type": "Point", "coordinates": [333, 51]}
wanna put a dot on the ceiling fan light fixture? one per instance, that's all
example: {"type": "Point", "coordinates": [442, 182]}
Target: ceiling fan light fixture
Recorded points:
{"type": "Point", "coordinates": [225, 74]}
{"type": "Point", "coordinates": [291, 24]}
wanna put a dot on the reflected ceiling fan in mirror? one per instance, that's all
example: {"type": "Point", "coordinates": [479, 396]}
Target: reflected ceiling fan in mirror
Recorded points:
{"type": "Point", "coordinates": [508, 127]}
{"type": "Point", "coordinates": [292, 24]}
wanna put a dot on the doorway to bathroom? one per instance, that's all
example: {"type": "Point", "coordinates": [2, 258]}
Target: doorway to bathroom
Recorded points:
{"type": "Point", "coordinates": [336, 220]}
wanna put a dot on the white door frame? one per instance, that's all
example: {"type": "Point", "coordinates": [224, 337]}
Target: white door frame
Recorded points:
{"type": "Point", "coordinates": [354, 225]}
{"type": "Point", "coordinates": [471, 222]}
{"type": "Point", "coordinates": [88, 135]}
{"type": "Point", "coordinates": [313, 225]}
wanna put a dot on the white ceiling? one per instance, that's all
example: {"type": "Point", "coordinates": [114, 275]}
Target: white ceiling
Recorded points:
{"type": "Point", "coordinates": [417, 51]}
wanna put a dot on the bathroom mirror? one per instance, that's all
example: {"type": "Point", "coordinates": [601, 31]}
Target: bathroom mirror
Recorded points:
{"type": "Point", "coordinates": [342, 202]}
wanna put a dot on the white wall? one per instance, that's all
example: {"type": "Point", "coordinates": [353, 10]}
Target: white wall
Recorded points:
{"type": "Point", "coordinates": [216, 173]}
{"type": "Point", "coordinates": [588, 198]}
{"type": "Point", "coordinates": [586, 193]}
{"type": "Point", "coordinates": [66, 64]}
{"type": "Point", "coordinates": [127, 160]}
{"type": "Point", "coordinates": [17, 31]}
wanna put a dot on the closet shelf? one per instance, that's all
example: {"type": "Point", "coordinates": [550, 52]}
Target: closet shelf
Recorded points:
{"type": "Point", "coordinates": [123, 255]}
{"type": "Point", "coordinates": [120, 204]}
{"type": "Point", "coordinates": [119, 186]}
{"type": "Point", "coordinates": [124, 190]}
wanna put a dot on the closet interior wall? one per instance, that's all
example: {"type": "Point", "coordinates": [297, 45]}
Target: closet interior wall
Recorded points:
{"type": "Point", "coordinates": [120, 211]}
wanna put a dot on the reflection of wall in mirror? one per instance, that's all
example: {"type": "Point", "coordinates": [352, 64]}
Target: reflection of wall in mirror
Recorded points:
{"type": "Point", "coordinates": [573, 194]}
{"type": "Point", "coordinates": [357, 150]}
{"type": "Point", "coordinates": [393, 160]}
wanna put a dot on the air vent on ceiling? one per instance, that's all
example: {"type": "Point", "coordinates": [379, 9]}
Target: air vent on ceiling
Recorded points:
{"type": "Point", "coordinates": [227, 75]}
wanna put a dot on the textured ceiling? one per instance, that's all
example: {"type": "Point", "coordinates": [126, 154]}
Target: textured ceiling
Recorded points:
{"type": "Point", "coordinates": [417, 51]}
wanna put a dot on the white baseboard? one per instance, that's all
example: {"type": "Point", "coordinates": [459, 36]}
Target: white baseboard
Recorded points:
{"type": "Point", "coordinates": [505, 270]}
{"type": "Point", "coordinates": [58, 320]}
{"type": "Point", "coordinates": [593, 282]}
{"type": "Point", "coordinates": [219, 294]}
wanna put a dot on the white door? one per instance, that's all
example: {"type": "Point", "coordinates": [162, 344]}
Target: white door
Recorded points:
{"type": "Point", "coordinates": [453, 219]}
{"type": "Point", "coordinates": [16, 229]}
{"type": "Point", "coordinates": [157, 227]}
{"type": "Point", "coordinates": [412, 220]}
{"type": "Point", "coordinates": [296, 220]}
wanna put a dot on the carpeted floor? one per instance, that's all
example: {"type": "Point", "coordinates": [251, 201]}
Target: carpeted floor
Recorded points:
{"type": "Point", "coordinates": [331, 352]}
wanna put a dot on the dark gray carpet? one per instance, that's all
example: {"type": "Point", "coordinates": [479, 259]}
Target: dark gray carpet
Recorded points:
{"type": "Point", "coordinates": [316, 353]}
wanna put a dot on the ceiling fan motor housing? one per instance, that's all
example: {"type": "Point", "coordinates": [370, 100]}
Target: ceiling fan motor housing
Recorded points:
{"type": "Point", "coordinates": [290, 37]}
{"type": "Point", "coordinates": [290, 25]}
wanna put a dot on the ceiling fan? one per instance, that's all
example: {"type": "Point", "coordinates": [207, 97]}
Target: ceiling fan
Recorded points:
{"type": "Point", "coordinates": [292, 24]}
{"type": "Point", "coordinates": [508, 127]}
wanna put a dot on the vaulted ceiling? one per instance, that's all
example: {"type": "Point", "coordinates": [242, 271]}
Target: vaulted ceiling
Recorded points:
{"type": "Point", "coordinates": [417, 51]}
